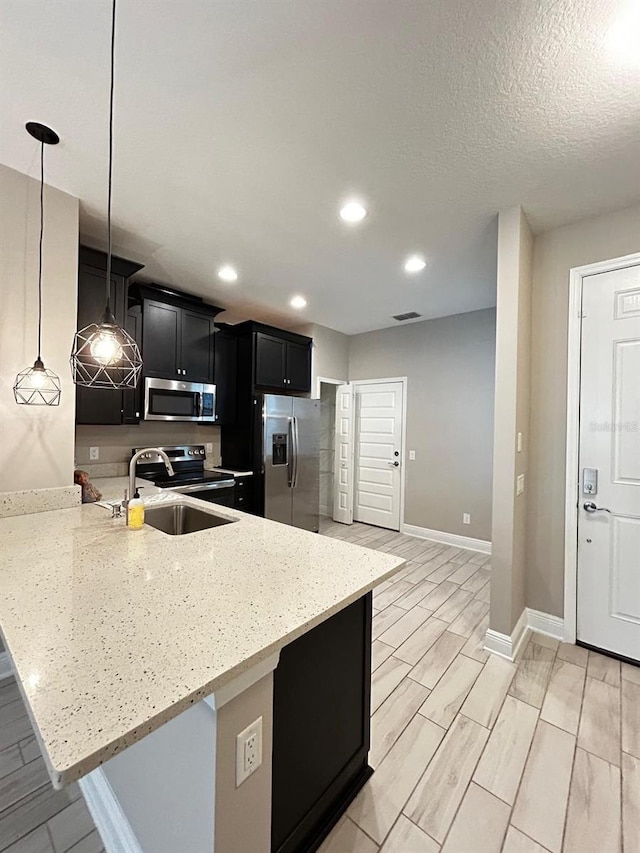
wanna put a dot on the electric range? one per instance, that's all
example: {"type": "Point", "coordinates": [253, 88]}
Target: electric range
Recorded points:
{"type": "Point", "coordinates": [190, 477]}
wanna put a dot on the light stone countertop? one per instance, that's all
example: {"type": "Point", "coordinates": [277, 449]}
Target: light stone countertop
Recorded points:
{"type": "Point", "coordinates": [113, 631]}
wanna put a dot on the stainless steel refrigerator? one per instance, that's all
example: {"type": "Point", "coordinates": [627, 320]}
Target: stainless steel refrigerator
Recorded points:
{"type": "Point", "coordinates": [291, 460]}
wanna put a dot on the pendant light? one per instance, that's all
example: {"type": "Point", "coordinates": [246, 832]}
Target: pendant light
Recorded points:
{"type": "Point", "coordinates": [104, 355]}
{"type": "Point", "coordinates": [38, 386]}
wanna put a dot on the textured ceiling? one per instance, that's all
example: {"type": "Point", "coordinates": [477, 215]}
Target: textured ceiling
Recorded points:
{"type": "Point", "coordinates": [241, 125]}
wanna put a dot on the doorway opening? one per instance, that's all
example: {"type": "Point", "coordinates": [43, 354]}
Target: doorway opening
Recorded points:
{"type": "Point", "coordinates": [327, 393]}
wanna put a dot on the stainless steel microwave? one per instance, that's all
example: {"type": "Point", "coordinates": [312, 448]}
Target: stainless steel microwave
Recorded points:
{"type": "Point", "coordinates": [172, 400]}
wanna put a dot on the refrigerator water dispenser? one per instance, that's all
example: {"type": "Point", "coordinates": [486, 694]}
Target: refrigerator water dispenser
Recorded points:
{"type": "Point", "coordinates": [279, 449]}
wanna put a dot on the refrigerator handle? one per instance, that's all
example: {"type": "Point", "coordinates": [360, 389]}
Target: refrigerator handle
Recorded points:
{"type": "Point", "coordinates": [290, 454]}
{"type": "Point", "coordinates": [295, 451]}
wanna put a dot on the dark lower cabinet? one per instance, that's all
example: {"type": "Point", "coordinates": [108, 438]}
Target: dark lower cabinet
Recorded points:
{"type": "Point", "coordinates": [321, 708]}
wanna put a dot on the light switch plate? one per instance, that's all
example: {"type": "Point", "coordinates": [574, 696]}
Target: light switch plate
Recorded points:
{"type": "Point", "coordinates": [248, 751]}
{"type": "Point", "coordinates": [519, 442]}
{"type": "Point", "coordinates": [412, 454]}
{"type": "Point", "coordinates": [520, 484]}
{"type": "Point", "coordinates": [94, 454]}
{"type": "Point", "coordinates": [466, 518]}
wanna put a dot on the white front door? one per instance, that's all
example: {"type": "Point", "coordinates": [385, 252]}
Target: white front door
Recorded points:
{"type": "Point", "coordinates": [378, 454]}
{"type": "Point", "coordinates": [608, 614]}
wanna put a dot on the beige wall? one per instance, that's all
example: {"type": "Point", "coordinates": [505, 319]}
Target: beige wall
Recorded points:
{"type": "Point", "coordinates": [330, 358]}
{"type": "Point", "coordinates": [40, 436]}
{"type": "Point", "coordinates": [243, 814]}
{"type": "Point", "coordinates": [449, 363]}
{"type": "Point", "coordinates": [116, 443]}
{"type": "Point", "coordinates": [512, 399]}
{"type": "Point", "coordinates": [555, 253]}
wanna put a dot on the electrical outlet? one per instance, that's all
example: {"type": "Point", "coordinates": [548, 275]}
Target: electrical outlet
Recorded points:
{"type": "Point", "coordinates": [94, 454]}
{"type": "Point", "coordinates": [466, 518]}
{"type": "Point", "coordinates": [209, 448]}
{"type": "Point", "coordinates": [412, 455]}
{"type": "Point", "coordinates": [520, 484]}
{"type": "Point", "coordinates": [248, 751]}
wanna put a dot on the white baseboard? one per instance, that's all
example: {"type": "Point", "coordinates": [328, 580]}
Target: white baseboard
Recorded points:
{"type": "Point", "coordinates": [448, 538]}
{"type": "Point", "coordinates": [111, 822]}
{"type": "Point", "coordinates": [508, 646]}
{"type": "Point", "coordinates": [545, 623]}
{"type": "Point", "coordinates": [6, 667]}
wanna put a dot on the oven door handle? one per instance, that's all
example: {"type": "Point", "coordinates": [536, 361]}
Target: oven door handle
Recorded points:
{"type": "Point", "coordinates": [200, 487]}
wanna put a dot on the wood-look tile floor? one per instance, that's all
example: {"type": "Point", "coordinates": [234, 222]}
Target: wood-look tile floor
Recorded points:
{"type": "Point", "coordinates": [34, 818]}
{"type": "Point", "coordinates": [472, 753]}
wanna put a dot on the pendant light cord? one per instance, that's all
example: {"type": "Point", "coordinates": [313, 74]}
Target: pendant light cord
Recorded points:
{"type": "Point", "coordinates": [40, 248]}
{"type": "Point", "coordinates": [111, 87]}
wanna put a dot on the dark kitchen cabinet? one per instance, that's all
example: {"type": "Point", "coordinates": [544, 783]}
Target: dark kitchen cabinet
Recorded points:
{"type": "Point", "coordinates": [271, 359]}
{"type": "Point", "coordinates": [177, 343]}
{"type": "Point", "coordinates": [225, 376]}
{"type": "Point", "coordinates": [298, 367]}
{"type": "Point", "coordinates": [103, 405]}
{"type": "Point", "coordinates": [160, 339]}
{"type": "Point", "coordinates": [321, 700]}
{"type": "Point", "coordinates": [197, 346]}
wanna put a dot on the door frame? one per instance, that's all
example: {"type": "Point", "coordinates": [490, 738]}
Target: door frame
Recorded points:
{"type": "Point", "coordinates": [321, 379]}
{"type": "Point", "coordinates": [577, 275]}
{"type": "Point", "coordinates": [403, 380]}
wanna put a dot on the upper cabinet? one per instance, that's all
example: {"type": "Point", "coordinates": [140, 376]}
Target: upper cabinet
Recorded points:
{"type": "Point", "coordinates": [178, 334]}
{"type": "Point", "coordinates": [177, 343]}
{"type": "Point", "coordinates": [277, 360]}
{"type": "Point", "coordinates": [101, 405]}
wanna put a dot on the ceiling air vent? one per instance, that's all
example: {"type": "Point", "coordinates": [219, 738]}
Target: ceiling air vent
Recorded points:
{"type": "Point", "coordinates": [410, 315]}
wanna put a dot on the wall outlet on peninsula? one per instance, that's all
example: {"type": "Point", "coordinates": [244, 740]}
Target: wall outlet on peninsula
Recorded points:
{"type": "Point", "coordinates": [248, 751]}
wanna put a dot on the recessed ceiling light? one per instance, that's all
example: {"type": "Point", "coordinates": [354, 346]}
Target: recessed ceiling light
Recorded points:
{"type": "Point", "coordinates": [353, 211]}
{"type": "Point", "coordinates": [298, 302]}
{"type": "Point", "coordinates": [623, 39]}
{"type": "Point", "coordinates": [415, 263]}
{"type": "Point", "coordinates": [227, 273]}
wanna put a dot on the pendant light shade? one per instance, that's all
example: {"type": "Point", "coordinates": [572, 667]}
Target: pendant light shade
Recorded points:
{"type": "Point", "coordinates": [38, 386]}
{"type": "Point", "coordinates": [104, 355]}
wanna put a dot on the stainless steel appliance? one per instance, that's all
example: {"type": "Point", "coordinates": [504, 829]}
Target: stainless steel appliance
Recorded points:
{"type": "Point", "coordinates": [290, 460]}
{"type": "Point", "coordinates": [173, 400]}
{"type": "Point", "coordinates": [190, 476]}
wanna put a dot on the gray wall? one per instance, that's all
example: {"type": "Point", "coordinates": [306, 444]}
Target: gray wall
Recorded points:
{"type": "Point", "coordinates": [555, 253]}
{"type": "Point", "coordinates": [449, 363]}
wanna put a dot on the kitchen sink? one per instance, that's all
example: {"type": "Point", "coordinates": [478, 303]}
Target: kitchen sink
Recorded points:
{"type": "Point", "coordinates": [179, 519]}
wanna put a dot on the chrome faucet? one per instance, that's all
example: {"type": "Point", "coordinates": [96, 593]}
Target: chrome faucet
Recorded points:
{"type": "Point", "coordinates": [132, 469]}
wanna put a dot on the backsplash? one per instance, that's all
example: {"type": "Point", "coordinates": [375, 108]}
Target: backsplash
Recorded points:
{"type": "Point", "coordinates": [116, 442]}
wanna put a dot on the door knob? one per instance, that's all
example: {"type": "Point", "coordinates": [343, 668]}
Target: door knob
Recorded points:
{"type": "Point", "coordinates": [589, 506]}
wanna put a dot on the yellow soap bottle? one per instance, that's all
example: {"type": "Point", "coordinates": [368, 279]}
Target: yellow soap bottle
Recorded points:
{"type": "Point", "coordinates": [135, 512]}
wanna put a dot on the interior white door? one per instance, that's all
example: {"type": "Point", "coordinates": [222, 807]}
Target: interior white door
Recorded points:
{"type": "Point", "coordinates": [343, 465]}
{"type": "Point", "coordinates": [378, 454]}
{"type": "Point", "coordinates": [609, 490]}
